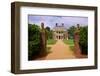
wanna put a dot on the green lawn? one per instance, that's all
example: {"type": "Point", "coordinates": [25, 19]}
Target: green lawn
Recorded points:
{"type": "Point", "coordinates": [51, 41]}
{"type": "Point", "coordinates": [70, 42]}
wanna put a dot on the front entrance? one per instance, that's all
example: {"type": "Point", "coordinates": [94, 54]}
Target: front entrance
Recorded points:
{"type": "Point", "coordinates": [59, 37]}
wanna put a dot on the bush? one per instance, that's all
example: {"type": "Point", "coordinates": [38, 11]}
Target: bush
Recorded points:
{"type": "Point", "coordinates": [33, 41]}
{"type": "Point", "coordinates": [83, 42]}
{"type": "Point", "coordinates": [49, 33]}
{"type": "Point", "coordinates": [71, 31]}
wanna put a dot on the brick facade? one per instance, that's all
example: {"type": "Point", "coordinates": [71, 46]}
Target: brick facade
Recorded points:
{"type": "Point", "coordinates": [60, 32]}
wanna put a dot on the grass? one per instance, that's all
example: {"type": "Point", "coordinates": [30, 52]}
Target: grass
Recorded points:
{"type": "Point", "coordinates": [51, 41]}
{"type": "Point", "coordinates": [70, 42]}
{"type": "Point", "coordinates": [48, 49]}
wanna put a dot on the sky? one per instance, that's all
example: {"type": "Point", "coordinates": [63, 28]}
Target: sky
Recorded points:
{"type": "Point", "coordinates": [52, 20]}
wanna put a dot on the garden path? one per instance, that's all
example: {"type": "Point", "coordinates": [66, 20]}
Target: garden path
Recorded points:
{"type": "Point", "coordinates": [60, 50]}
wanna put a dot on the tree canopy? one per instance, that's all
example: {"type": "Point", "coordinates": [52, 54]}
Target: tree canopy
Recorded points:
{"type": "Point", "coordinates": [49, 33]}
{"type": "Point", "coordinates": [71, 31]}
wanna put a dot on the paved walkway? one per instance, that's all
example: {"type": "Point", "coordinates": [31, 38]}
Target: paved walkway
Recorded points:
{"type": "Point", "coordinates": [60, 51]}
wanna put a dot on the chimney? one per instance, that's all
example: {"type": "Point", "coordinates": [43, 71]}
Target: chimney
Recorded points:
{"type": "Point", "coordinates": [56, 24]}
{"type": "Point", "coordinates": [62, 24]}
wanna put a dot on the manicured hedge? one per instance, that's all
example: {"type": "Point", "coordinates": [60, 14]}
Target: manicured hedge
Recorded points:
{"type": "Point", "coordinates": [33, 41]}
{"type": "Point", "coordinates": [83, 42]}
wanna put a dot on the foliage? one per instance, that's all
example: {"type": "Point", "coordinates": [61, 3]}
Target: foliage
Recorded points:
{"type": "Point", "coordinates": [83, 42]}
{"type": "Point", "coordinates": [33, 40]}
{"type": "Point", "coordinates": [71, 31]}
{"type": "Point", "coordinates": [48, 28]}
{"type": "Point", "coordinates": [49, 33]}
{"type": "Point", "coordinates": [70, 42]}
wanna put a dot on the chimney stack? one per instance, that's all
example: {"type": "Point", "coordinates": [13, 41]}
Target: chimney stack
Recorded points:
{"type": "Point", "coordinates": [62, 24]}
{"type": "Point", "coordinates": [56, 24]}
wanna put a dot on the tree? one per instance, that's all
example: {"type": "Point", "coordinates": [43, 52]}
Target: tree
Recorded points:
{"type": "Point", "coordinates": [48, 28]}
{"type": "Point", "coordinates": [33, 40]}
{"type": "Point", "coordinates": [83, 42]}
{"type": "Point", "coordinates": [49, 33]}
{"type": "Point", "coordinates": [71, 31]}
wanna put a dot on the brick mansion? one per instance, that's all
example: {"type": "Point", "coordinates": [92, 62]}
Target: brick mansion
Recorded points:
{"type": "Point", "coordinates": [60, 32]}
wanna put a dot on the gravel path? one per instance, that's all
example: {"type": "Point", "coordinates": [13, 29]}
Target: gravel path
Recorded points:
{"type": "Point", "coordinates": [59, 51]}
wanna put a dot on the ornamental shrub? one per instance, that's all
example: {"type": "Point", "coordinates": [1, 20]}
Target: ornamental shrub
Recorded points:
{"type": "Point", "coordinates": [83, 42]}
{"type": "Point", "coordinates": [33, 41]}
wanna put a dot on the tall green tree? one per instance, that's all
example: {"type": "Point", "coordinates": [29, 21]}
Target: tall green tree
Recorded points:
{"type": "Point", "coordinates": [49, 33]}
{"type": "Point", "coordinates": [33, 40]}
{"type": "Point", "coordinates": [83, 42]}
{"type": "Point", "coordinates": [48, 28]}
{"type": "Point", "coordinates": [71, 31]}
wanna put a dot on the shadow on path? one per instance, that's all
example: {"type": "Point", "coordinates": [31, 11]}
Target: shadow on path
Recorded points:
{"type": "Point", "coordinates": [60, 50]}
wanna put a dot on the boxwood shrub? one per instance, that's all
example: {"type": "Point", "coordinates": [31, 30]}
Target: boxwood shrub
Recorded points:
{"type": "Point", "coordinates": [33, 41]}
{"type": "Point", "coordinates": [83, 42]}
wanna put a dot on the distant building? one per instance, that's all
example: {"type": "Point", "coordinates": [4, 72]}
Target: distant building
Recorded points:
{"type": "Point", "coordinates": [60, 32]}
